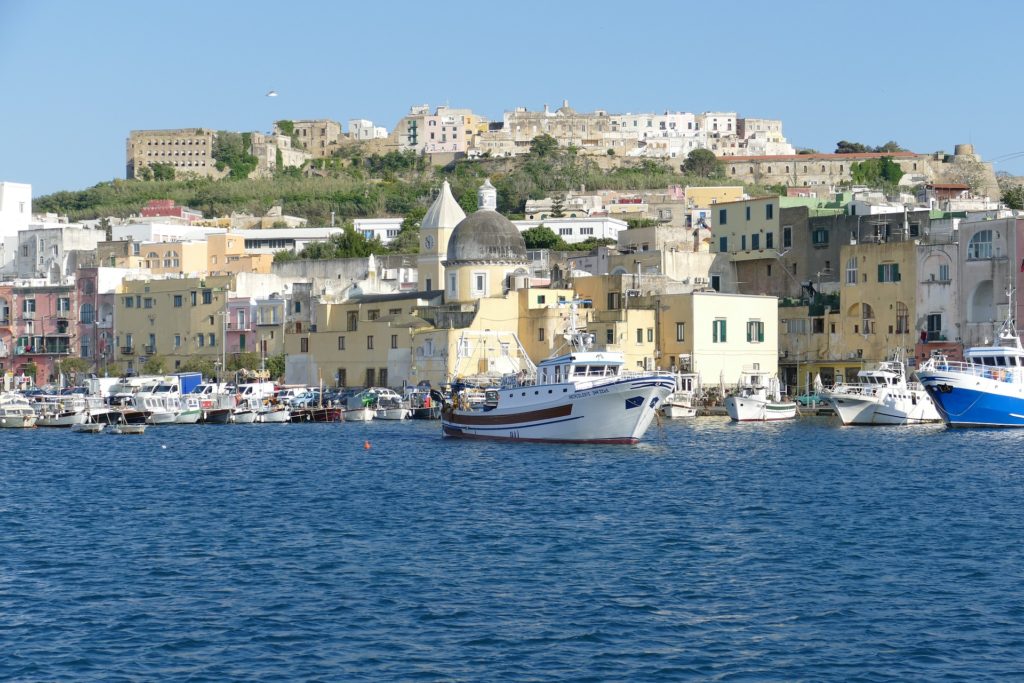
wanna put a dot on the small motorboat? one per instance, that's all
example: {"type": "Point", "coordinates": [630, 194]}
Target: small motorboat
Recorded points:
{"type": "Point", "coordinates": [87, 427]}
{"type": "Point", "coordinates": [138, 428]}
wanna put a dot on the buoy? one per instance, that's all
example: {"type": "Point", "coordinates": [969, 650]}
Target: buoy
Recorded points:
{"type": "Point", "coordinates": [366, 445]}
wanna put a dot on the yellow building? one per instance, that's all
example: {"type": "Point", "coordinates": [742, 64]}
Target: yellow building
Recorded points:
{"type": "Point", "coordinates": [225, 253]}
{"type": "Point", "coordinates": [160, 258]}
{"type": "Point", "coordinates": [704, 197]}
{"type": "Point", "coordinates": [176, 318]}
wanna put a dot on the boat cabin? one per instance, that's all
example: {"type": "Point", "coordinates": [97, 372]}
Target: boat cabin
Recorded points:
{"type": "Point", "coordinates": [578, 367]}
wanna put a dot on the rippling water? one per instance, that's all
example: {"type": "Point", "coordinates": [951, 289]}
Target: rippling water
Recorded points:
{"type": "Point", "coordinates": [711, 551]}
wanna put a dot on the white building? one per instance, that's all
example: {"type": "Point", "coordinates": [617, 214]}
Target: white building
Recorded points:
{"type": "Point", "coordinates": [362, 129]}
{"type": "Point", "coordinates": [46, 249]}
{"type": "Point", "coordinates": [278, 239]}
{"type": "Point", "coordinates": [162, 232]}
{"type": "Point", "coordinates": [384, 229]}
{"type": "Point", "coordinates": [575, 230]}
{"type": "Point", "coordinates": [15, 215]}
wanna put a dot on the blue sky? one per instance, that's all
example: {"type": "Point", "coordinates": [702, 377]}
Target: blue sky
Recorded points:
{"type": "Point", "coordinates": [78, 76]}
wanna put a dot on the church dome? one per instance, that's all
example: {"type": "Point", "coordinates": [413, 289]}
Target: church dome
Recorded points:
{"type": "Point", "coordinates": [486, 236]}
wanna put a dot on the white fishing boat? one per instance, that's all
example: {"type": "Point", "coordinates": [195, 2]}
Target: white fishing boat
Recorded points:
{"type": "Point", "coordinates": [759, 399]}
{"type": "Point", "coordinates": [16, 412]}
{"type": "Point", "coordinates": [580, 395]}
{"type": "Point", "coordinates": [882, 396]}
{"type": "Point", "coordinates": [390, 405]}
{"type": "Point", "coordinates": [361, 407]}
{"type": "Point", "coordinates": [60, 411]}
{"type": "Point", "coordinates": [88, 427]}
{"type": "Point", "coordinates": [679, 403]}
{"type": "Point", "coordinates": [273, 414]}
{"type": "Point", "coordinates": [126, 428]}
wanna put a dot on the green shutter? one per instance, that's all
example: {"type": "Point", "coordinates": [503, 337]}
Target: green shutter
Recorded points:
{"type": "Point", "coordinates": [714, 331]}
{"type": "Point", "coordinates": [723, 330]}
{"type": "Point", "coordinates": [760, 332]}
{"type": "Point", "coordinates": [881, 272]}
{"type": "Point", "coordinates": [895, 272]}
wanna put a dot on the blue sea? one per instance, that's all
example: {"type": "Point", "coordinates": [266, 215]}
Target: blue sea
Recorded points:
{"type": "Point", "coordinates": [382, 552]}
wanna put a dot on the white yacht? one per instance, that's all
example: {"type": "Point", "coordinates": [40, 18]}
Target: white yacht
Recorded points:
{"type": "Point", "coordinates": [16, 412]}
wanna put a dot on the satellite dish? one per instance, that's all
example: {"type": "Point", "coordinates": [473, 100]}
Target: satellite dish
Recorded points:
{"type": "Point", "coordinates": [271, 93]}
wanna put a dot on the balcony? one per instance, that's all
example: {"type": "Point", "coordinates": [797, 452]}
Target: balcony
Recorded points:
{"type": "Point", "coordinates": [127, 350]}
{"type": "Point", "coordinates": [149, 350]}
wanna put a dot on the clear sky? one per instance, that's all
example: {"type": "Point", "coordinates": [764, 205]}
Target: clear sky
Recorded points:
{"type": "Point", "coordinates": [78, 76]}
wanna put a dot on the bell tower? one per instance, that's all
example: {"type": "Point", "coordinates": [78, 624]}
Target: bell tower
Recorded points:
{"type": "Point", "coordinates": [435, 229]}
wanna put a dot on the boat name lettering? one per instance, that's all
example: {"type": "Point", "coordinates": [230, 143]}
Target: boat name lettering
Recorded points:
{"type": "Point", "coordinates": [592, 392]}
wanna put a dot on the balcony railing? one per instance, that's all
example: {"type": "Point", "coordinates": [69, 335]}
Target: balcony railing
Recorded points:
{"type": "Point", "coordinates": [127, 350]}
{"type": "Point", "coordinates": [150, 350]}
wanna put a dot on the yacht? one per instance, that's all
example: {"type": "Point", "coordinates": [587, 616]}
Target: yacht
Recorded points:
{"type": "Point", "coordinates": [16, 412]}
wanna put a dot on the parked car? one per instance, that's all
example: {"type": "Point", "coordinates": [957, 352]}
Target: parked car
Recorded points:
{"type": "Point", "coordinates": [810, 400]}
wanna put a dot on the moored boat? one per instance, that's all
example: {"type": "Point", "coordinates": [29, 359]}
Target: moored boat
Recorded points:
{"type": "Point", "coordinates": [986, 389]}
{"type": "Point", "coordinates": [882, 396]}
{"type": "Point", "coordinates": [16, 412]}
{"type": "Point", "coordinates": [759, 399]}
{"type": "Point", "coordinates": [581, 396]}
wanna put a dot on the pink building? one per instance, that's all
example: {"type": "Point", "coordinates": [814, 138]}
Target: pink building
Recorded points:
{"type": "Point", "coordinates": [36, 330]}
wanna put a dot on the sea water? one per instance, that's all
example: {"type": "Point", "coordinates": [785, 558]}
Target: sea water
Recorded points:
{"type": "Point", "coordinates": [381, 551]}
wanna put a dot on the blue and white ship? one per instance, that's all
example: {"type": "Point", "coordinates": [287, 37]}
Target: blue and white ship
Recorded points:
{"type": "Point", "coordinates": [986, 389]}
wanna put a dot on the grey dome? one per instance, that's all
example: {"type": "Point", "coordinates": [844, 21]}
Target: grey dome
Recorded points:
{"type": "Point", "coordinates": [486, 236]}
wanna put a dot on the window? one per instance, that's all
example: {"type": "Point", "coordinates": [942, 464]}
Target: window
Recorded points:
{"type": "Point", "coordinates": [63, 306]}
{"type": "Point", "coordinates": [769, 240]}
{"type": "Point", "coordinates": [915, 229]}
{"type": "Point", "coordinates": [723, 244]}
{"type": "Point", "coordinates": [718, 330]}
{"type": "Point", "coordinates": [722, 216]}
{"type": "Point", "coordinates": [851, 270]}
{"type": "Point", "coordinates": [639, 335]}
{"type": "Point", "coordinates": [540, 334]}
{"type": "Point", "coordinates": [382, 377]}
{"type": "Point", "coordinates": [342, 377]}
{"type": "Point", "coordinates": [787, 236]}
{"type": "Point", "coordinates": [769, 211]}
{"type": "Point", "coordinates": [748, 213]}
{"type": "Point", "coordinates": [819, 237]}
{"type": "Point", "coordinates": [148, 302]}
{"type": "Point", "coordinates": [755, 241]}
{"type": "Point", "coordinates": [902, 318]}
{"type": "Point", "coordinates": [934, 326]}
{"type": "Point", "coordinates": [353, 320]}
{"type": "Point", "coordinates": [87, 314]}
{"type": "Point", "coordinates": [371, 377]}
{"type": "Point", "coordinates": [867, 318]}
{"type": "Point", "coordinates": [394, 341]}
{"type": "Point", "coordinates": [888, 272]}
{"type": "Point", "coordinates": [755, 331]}
{"type": "Point", "coordinates": [373, 314]}
{"type": "Point", "coordinates": [541, 298]}
{"type": "Point", "coordinates": [817, 326]}
{"type": "Point", "coordinates": [479, 283]}
{"type": "Point", "coordinates": [609, 335]}
{"type": "Point", "coordinates": [193, 297]}
{"type": "Point", "coordinates": [944, 272]}
{"type": "Point", "coordinates": [369, 341]}
{"type": "Point", "coordinates": [200, 340]}
{"type": "Point", "coordinates": [177, 341]}
{"type": "Point", "coordinates": [213, 339]}
{"type": "Point", "coordinates": [680, 332]}
{"type": "Point", "coordinates": [298, 306]}
{"type": "Point", "coordinates": [177, 300]}
{"type": "Point", "coordinates": [743, 242]}
{"type": "Point", "coordinates": [207, 296]}
{"type": "Point", "coordinates": [129, 302]}
{"type": "Point", "coordinates": [341, 343]}
{"type": "Point", "coordinates": [980, 246]}
{"type": "Point", "coordinates": [650, 334]}
{"type": "Point", "coordinates": [304, 345]}
{"type": "Point", "coordinates": [796, 326]}
{"type": "Point", "coordinates": [394, 311]}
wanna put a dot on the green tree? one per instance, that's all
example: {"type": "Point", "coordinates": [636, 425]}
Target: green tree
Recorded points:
{"type": "Point", "coordinates": [891, 146]}
{"type": "Point", "coordinates": [204, 366]}
{"type": "Point", "coordinates": [846, 147]}
{"type": "Point", "coordinates": [703, 163]}
{"type": "Point", "coordinates": [543, 146]}
{"type": "Point", "coordinates": [285, 256]}
{"type": "Point", "coordinates": [275, 366]}
{"type": "Point", "coordinates": [73, 367]}
{"type": "Point", "coordinates": [30, 369]}
{"type": "Point", "coordinates": [231, 151]}
{"type": "Point", "coordinates": [558, 207]}
{"type": "Point", "coordinates": [1013, 197]}
{"type": "Point", "coordinates": [155, 365]}
{"type": "Point", "coordinates": [107, 228]}
{"type": "Point", "coordinates": [162, 171]}
{"type": "Point", "coordinates": [244, 361]}
{"type": "Point", "coordinates": [542, 237]}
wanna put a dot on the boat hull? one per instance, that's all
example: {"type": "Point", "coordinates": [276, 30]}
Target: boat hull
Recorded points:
{"type": "Point", "coordinates": [908, 407]}
{"type": "Point", "coordinates": [618, 412]}
{"type": "Point", "coordinates": [61, 419]}
{"type": "Point", "coordinates": [743, 409]}
{"type": "Point", "coordinates": [431, 413]}
{"type": "Point", "coordinates": [974, 401]}
{"type": "Point", "coordinates": [360, 414]}
{"type": "Point", "coordinates": [392, 413]}
{"type": "Point", "coordinates": [17, 421]}
{"type": "Point", "coordinates": [675, 411]}
{"type": "Point", "coordinates": [274, 416]}
{"type": "Point", "coordinates": [188, 417]}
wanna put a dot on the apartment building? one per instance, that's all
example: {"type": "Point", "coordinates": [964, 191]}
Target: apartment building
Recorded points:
{"type": "Point", "coordinates": [188, 150]}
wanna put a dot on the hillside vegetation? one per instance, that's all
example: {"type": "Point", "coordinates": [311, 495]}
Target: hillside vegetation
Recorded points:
{"type": "Point", "coordinates": [377, 185]}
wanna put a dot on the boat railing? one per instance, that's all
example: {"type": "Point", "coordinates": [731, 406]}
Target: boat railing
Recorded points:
{"type": "Point", "coordinates": [855, 389]}
{"type": "Point", "coordinates": [1001, 374]}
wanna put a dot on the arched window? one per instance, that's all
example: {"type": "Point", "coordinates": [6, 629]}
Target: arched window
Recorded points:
{"type": "Point", "coordinates": [867, 319]}
{"type": "Point", "coordinates": [980, 245]}
{"type": "Point", "coordinates": [87, 314]}
{"type": "Point", "coordinates": [902, 318]}
{"type": "Point", "coordinates": [851, 270]}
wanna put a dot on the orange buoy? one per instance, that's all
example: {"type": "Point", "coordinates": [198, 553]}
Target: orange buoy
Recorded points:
{"type": "Point", "coordinates": [366, 445]}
